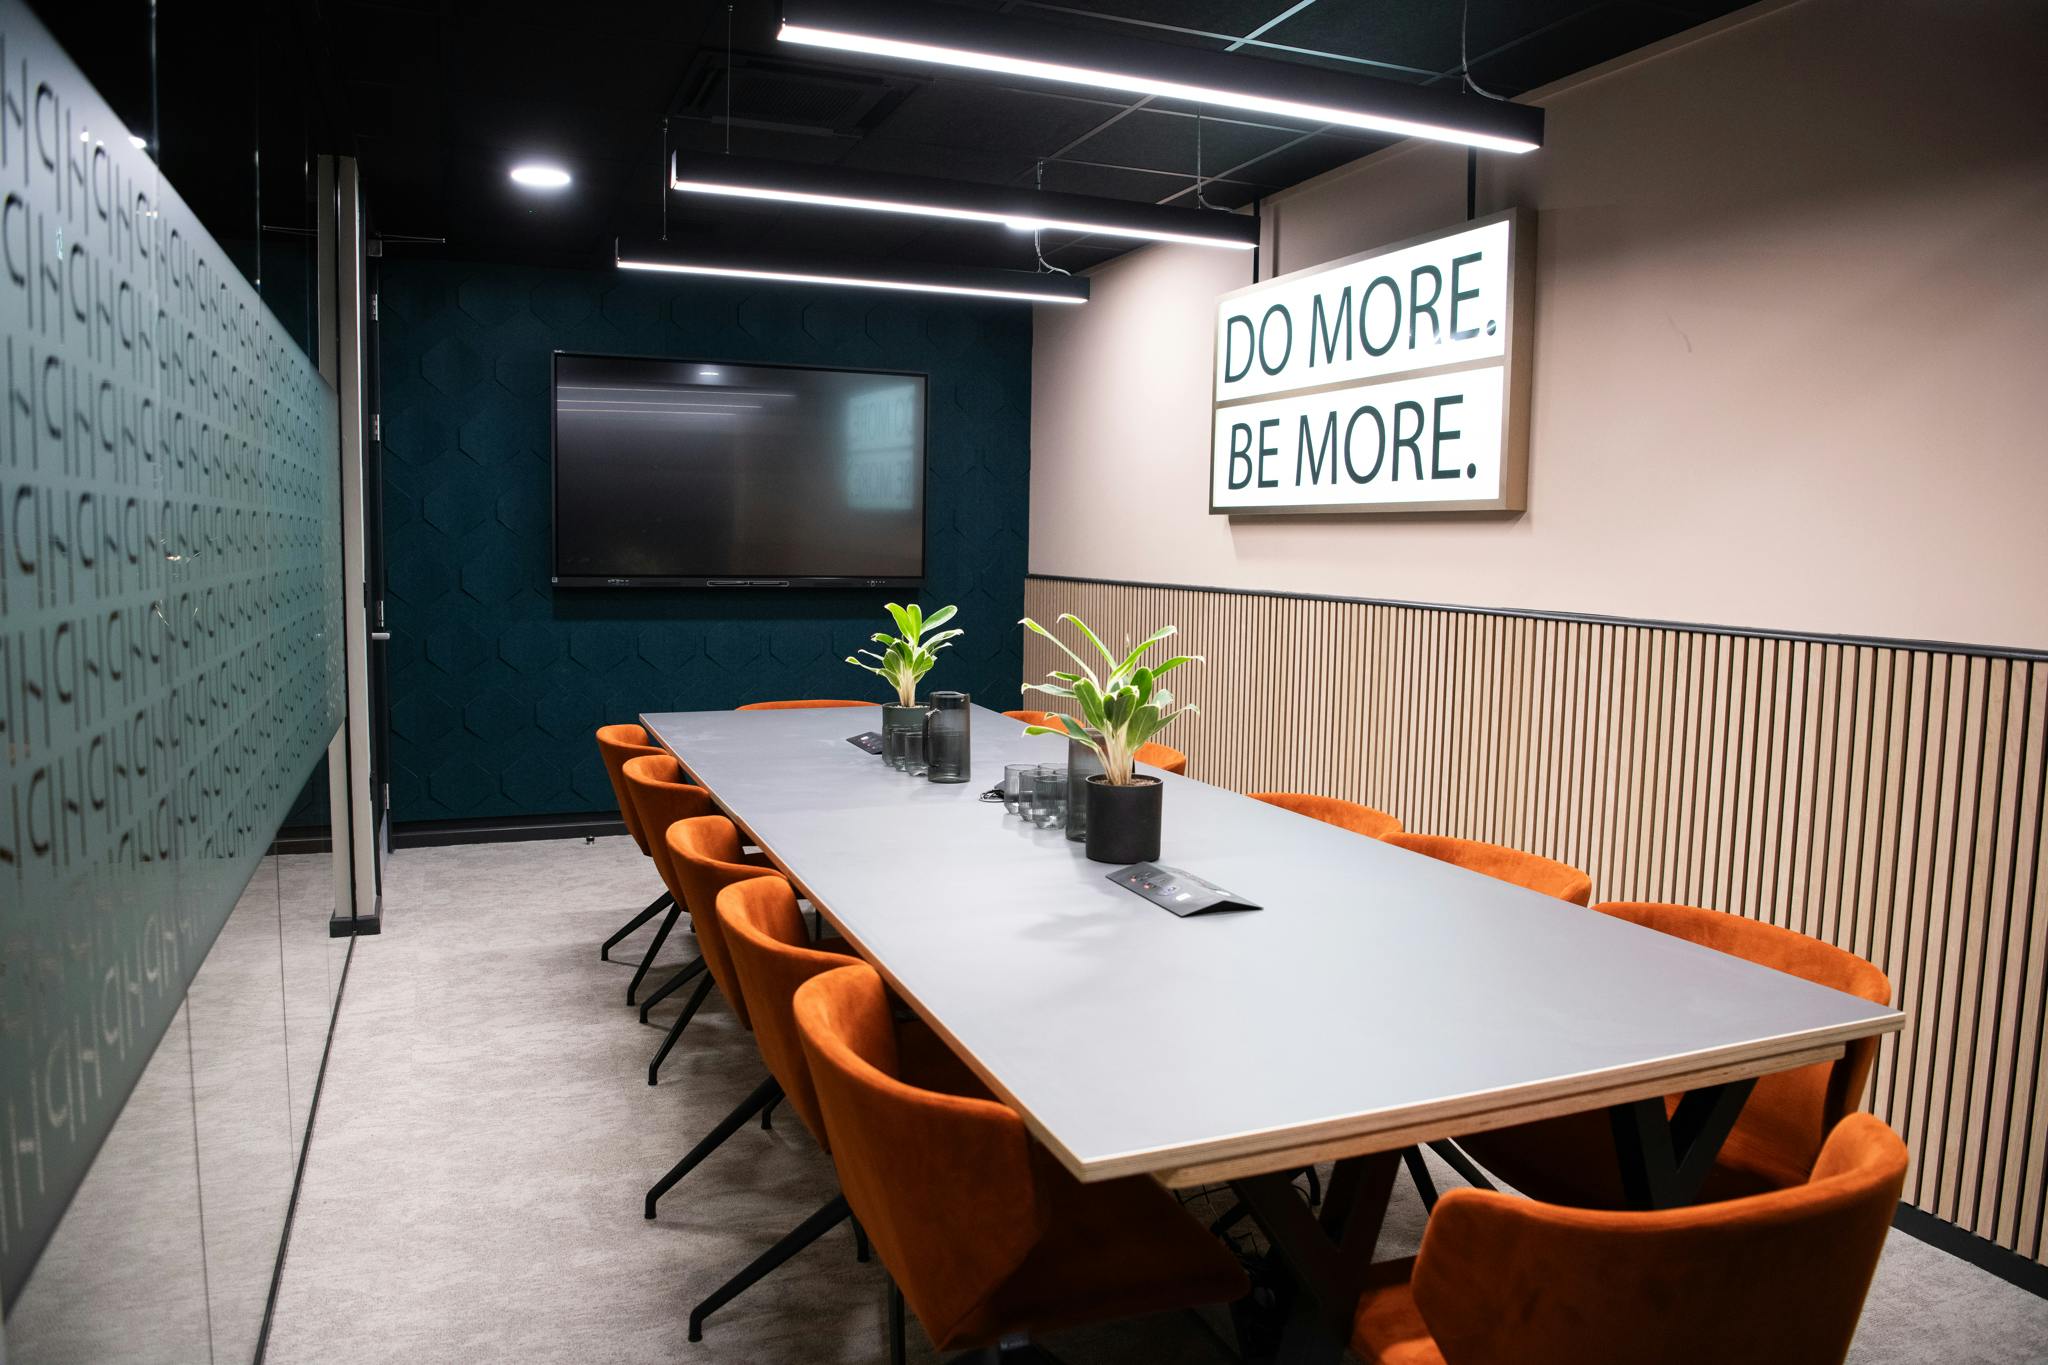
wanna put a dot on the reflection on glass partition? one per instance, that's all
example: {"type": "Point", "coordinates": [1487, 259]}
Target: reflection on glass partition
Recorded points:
{"type": "Point", "coordinates": [170, 670]}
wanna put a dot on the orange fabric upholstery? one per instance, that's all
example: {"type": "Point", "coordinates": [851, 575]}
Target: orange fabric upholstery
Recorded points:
{"type": "Point", "coordinates": [656, 786]}
{"type": "Point", "coordinates": [798, 705]}
{"type": "Point", "coordinates": [1035, 717]}
{"type": "Point", "coordinates": [615, 745]}
{"type": "Point", "coordinates": [1331, 810]}
{"type": "Point", "coordinates": [1773, 1279]}
{"type": "Point", "coordinates": [986, 1235]}
{"type": "Point", "coordinates": [1163, 756]}
{"type": "Point", "coordinates": [1570, 1159]}
{"type": "Point", "coordinates": [706, 855]}
{"type": "Point", "coordinates": [1504, 864]}
{"type": "Point", "coordinates": [772, 955]}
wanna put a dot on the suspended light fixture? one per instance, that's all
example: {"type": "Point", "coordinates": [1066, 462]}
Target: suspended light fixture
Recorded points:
{"type": "Point", "coordinates": [1022, 286]}
{"type": "Point", "coordinates": [1024, 210]}
{"type": "Point", "coordinates": [947, 35]}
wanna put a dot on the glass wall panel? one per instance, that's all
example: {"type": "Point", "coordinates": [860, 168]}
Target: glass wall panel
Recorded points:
{"type": "Point", "coordinates": [170, 673]}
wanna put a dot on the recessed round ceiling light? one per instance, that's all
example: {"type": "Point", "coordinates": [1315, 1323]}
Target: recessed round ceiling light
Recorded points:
{"type": "Point", "coordinates": [138, 143]}
{"type": "Point", "coordinates": [541, 177]}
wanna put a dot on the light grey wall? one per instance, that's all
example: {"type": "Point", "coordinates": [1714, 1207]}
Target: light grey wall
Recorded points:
{"type": "Point", "coordinates": [1790, 308]}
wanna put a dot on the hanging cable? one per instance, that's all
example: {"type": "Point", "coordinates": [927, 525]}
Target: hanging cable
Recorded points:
{"type": "Point", "coordinates": [728, 80]}
{"type": "Point", "coordinates": [1201, 182]}
{"type": "Point", "coordinates": [1045, 267]}
{"type": "Point", "coordinates": [1465, 55]}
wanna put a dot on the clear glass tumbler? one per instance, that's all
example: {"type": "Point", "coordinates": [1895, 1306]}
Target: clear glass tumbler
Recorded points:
{"type": "Point", "coordinates": [1017, 784]}
{"type": "Point", "coordinates": [1049, 796]}
{"type": "Point", "coordinates": [914, 761]}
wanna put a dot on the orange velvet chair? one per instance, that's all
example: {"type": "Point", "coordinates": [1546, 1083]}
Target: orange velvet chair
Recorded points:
{"type": "Point", "coordinates": [1331, 810]}
{"type": "Point", "coordinates": [705, 856]}
{"type": "Point", "coordinates": [1789, 1115]}
{"type": "Point", "coordinates": [798, 705]}
{"type": "Point", "coordinates": [984, 1233]}
{"type": "Point", "coordinates": [615, 745]}
{"type": "Point", "coordinates": [1505, 864]}
{"type": "Point", "coordinates": [1161, 756]}
{"type": "Point", "coordinates": [658, 792]}
{"type": "Point", "coordinates": [772, 954]}
{"type": "Point", "coordinates": [1772, 1279]}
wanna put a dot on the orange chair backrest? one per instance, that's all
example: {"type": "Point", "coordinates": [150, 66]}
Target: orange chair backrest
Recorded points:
{"type": "Point", "coordinates": [1772, 1279]}
{"type": "Point", "coordinates": [1504, 864]}
{"type": "Point", "coordinates": [705, 852]}
{"type": "Point", "coordinates": [797, 705]}
{"type": "Point", "coordinates": [1035, 717]}
{"type": "Point", "coordinates": [615, 745]}
{"type": "Point", "coordinates": [1790, 1112]}
{"type": "Point", "coordinates": [942, 1184]}
{"type": "Point", "coordinates": [772, 954]}
{"type": "Point", "coordinates": [654, 785]}
{"type": "Point", "coordinates": [1162, 756]}
{"type": "Point", "coordinates": [1332, 810]}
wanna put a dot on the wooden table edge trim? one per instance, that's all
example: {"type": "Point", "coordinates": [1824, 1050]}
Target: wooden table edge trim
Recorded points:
{"type": "Point", "coordinates": [1352, 1135]}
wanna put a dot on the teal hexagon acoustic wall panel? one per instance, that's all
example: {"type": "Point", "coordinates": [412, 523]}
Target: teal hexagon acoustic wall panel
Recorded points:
{"type": "Point", "coordinates": [496, 679]}
{"type": "Point", "coordinates": [170, 595]}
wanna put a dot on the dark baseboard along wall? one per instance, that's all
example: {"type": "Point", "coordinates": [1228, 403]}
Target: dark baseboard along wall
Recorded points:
{"type": "Point", "coordinates": [1885, 796]}
{"type": "Point", "coordinates": [496, 680]}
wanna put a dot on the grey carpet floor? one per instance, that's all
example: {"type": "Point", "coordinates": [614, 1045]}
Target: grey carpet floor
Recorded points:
{"type": "Point", "coordinates": [486, 1133]}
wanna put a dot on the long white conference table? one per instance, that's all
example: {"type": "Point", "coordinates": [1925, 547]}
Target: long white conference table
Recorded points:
{"type": "Point", "coordinates": [1380, 999]}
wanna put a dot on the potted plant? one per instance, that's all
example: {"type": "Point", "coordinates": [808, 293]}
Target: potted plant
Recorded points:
{"type": "Point", "coordinates": [1119, 712]}
{"type": "Point", "coordinates": [901, 662]}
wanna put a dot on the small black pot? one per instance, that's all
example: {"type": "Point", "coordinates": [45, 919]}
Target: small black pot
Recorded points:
{"type": "Point", "coordinates": [1123, 822]}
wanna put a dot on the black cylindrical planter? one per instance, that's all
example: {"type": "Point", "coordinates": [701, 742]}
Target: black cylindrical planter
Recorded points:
{"type": "Point", "coordinates": [1123, 822]}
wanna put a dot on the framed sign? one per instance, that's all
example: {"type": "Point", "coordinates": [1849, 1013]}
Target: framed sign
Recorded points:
{"type": "Point", "coordinates": [1396, 380]}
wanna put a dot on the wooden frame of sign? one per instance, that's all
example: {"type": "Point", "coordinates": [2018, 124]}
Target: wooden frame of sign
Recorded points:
{"type": "Point", "coordinates": [1510, 491]}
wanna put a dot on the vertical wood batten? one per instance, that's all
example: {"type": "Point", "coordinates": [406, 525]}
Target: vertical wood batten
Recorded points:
{"type": "Point", "coordinates": [1890, 799]}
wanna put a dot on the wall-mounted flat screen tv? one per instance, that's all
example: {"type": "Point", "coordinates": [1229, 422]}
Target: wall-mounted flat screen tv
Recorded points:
{"type": "Point", "coordinates": [694, 473]}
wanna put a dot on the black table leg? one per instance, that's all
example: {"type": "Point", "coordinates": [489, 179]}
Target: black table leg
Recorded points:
{"type": "Point", "coordinates": [1327, 1256]}
{"type": "Point", "coordinates": [1664, 1160]}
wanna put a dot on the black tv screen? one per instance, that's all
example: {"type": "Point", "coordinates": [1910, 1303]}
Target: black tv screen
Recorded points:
{"type": "Point", "coordinates": [690, 473]}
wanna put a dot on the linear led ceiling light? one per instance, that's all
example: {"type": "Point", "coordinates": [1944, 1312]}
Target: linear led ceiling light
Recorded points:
{"type": "Point", "coordinates": [1024, 210]}
{"type": "Point", "coordinates": [951, 36]}
{"type": "Point", "coordinates": [1022, 286]}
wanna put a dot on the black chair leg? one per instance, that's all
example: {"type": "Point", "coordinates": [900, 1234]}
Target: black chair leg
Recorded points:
{"type": "Point", "coordinates": [668, 987]}
{"type": "Point", "coordinates": [1454, 1157]}
{"type": "Point", "coordinates": [1419, 1173]}
{"type": "Point", "coordinates": [675, 1030]}
{"type": "Point", "coordinates": [660, 937]}
{"type": "Point", "coordinates": [899, 1346]}
{"type": "Point", "coordinates": [861, 1252]}
{"type": "Point", "coordinates": [806, 1232]}
{"type": "Point", "coordinates": [768, 1117]}
{"type": "Point", "coordinates": [1315, 1186]}
{"type": "Point", "coordinates": [727, 1126]}
{"type": "Point", "coordinates": [655, 907]}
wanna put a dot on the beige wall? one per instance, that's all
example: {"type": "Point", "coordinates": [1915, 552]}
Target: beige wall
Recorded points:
{"type": "Point", "coordinates": [1791, 351]}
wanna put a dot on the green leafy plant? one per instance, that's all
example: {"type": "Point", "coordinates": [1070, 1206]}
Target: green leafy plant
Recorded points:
{"type": "Point", "coordinates": [1123, 708]}
{"type": "Point", "coordinates": [904, 659]}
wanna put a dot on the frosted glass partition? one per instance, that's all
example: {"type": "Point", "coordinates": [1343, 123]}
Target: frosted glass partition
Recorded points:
{"type": "Point", "coordinates": [170, 643]}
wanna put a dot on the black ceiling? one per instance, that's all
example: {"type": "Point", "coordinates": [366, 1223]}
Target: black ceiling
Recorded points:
{"type": "Point", "coordinates": [439, 99]}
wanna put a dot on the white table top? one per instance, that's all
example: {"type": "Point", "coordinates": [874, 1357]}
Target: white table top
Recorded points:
{"type": "Point", "coordinates": [1378, 999]}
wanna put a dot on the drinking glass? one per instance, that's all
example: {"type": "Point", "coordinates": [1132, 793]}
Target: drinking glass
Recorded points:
{"type": "Point", "coordinates": [914, 761]}
{"type": "Point", "coordinates": [1049, 796]}
{"type": "Point", "coordinates": [1017, 785]}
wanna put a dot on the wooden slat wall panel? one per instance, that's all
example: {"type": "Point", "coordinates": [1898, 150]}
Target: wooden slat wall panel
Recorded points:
{"type": "Point", "coordinates": [1888, 799]}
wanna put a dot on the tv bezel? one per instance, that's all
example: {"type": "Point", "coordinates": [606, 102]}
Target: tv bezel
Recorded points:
{"type": "Point", "coordinates": [558, 579]}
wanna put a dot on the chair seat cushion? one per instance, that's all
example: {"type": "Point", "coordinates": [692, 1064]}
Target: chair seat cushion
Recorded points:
{"type": "Point", "coordinates": [1117, 1249]}
{"type": "Point", "coordinates": [1389, 1329]}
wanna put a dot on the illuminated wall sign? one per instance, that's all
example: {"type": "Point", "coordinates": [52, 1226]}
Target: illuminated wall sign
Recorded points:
{"type": "Point", "coordinates": [1392, 381]}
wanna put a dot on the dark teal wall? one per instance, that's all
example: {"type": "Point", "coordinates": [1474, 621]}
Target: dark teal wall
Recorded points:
{"type": "Point", "coordinates": [496, 680]}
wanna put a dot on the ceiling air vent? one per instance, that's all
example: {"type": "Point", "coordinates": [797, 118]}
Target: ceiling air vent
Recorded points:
{"type": "Point", "coordinates": [790, 97]}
